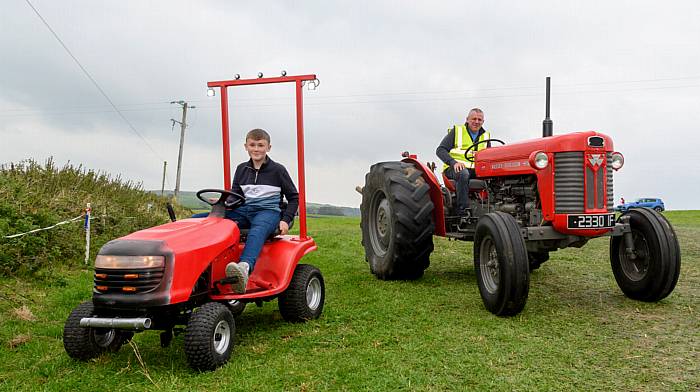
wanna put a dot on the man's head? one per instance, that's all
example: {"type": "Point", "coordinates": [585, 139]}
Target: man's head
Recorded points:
{"type": "Point", "coordinates": [257, 144]}
{"type": "Point", "coordinates": [475, 119]}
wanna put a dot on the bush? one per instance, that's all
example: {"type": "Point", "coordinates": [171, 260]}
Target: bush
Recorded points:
{"type": "Point", "coordinates": [34, 196]}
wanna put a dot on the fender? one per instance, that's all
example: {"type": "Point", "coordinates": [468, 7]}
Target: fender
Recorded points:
{"type": "Point", "coordinates": [435, 195]}
{"type": "Point", "coordinates": [273, 269]}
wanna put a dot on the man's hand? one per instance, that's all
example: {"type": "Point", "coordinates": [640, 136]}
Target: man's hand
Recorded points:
{"type": "Point", "coordinates": [284, 227]}
{"type": "Point", "coordinates": [458, 167]}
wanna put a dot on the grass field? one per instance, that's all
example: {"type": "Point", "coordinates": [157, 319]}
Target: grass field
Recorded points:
{"type": "Point", "coordinates": [577, 332]}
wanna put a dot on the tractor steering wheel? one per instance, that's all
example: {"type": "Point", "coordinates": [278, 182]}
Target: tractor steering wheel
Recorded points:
{"type": "Point", "coordinates": [469, 157]}
{"type": "Point", "coordinates": [237, 201]}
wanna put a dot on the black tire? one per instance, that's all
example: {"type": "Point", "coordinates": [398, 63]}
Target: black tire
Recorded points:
{"type": "Point", "coordinates": [236, 307]}
{"type": "Point", "coordinates": [658, 209]}
{"type": "Point", "coordinates": [653, 274]}
{"type": "Point", "coordinates": [304, 298]}
{"type": "Point", "coordinates": [85, 343]}
{"type": "Point", "coordinates": [209, 336]}
{"type": "Point", "coordinates": [501, 264]}
{"type": "Point", "coordinates": [397, 221]}
{"type": "Point", "coordinates": [535, 259]}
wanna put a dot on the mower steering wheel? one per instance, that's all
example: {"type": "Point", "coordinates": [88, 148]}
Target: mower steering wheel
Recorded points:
{"type": "Point", "coordinates": [470, 158]}
{"type": "Point", "coordinates": [237, 201]}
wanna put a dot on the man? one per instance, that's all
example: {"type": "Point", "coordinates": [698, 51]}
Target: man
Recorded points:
{"type": "Point", "coordinates": [451, 151]}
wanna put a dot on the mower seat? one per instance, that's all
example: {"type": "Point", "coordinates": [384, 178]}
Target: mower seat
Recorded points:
{"type": "Point", "coordinates": [244, 233]}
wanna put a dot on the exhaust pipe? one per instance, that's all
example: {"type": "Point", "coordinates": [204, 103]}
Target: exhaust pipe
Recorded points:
{"type": "Point", "coordinates": [547, 124]}
{"type": "Point", "coordinates": [118, 323]}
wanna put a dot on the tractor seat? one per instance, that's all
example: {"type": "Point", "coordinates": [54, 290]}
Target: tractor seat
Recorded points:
{"type": "Point", "coordinates": [474, 184]}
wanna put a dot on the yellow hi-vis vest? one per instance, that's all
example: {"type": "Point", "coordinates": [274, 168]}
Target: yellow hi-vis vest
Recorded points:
{"type": "Point", "coordinates": [462, 142]}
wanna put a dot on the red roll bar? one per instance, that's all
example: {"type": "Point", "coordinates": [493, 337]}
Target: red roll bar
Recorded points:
{"type": "Point", "coordinates": [298, 81]}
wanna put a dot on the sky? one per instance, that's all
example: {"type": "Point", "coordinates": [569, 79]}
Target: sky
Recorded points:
{"type": "Point", "coordinates": [394, 76]}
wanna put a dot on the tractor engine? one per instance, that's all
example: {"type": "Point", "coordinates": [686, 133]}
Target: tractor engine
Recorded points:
{"type": "Point", "coordinates": [516, 196]}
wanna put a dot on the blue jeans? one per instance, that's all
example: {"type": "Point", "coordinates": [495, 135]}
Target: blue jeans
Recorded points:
{"type": "Point", "coordinates": [462, 184]}
{"type": "Point", "coordinates": [260, 222]}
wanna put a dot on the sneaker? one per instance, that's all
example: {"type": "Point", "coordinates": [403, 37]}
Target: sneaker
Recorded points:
{"type": "Point", "coordinates": [239, 271]}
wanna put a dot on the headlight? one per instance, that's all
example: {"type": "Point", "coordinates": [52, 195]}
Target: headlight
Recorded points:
{"type": "Point", "coordinates": [129, 262]}
{"type": "Point", "coordinates": [617, 161]}
{"type": "Point", "coordinates": [539, 160]}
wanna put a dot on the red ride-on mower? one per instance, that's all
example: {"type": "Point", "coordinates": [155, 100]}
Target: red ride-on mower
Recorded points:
{"type": "Point", "coordinates": [173, 275]}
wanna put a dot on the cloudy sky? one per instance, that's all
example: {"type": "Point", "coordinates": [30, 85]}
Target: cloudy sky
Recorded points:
{"type": "Point", "coordinates": [394, 76]}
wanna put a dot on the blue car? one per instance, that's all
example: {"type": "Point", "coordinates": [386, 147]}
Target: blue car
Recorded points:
{"type": "Point", "coordinates": [649, 202]}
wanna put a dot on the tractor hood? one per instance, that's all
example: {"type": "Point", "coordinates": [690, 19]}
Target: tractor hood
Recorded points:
{"type": "Point", "coordinates": [513, 158]}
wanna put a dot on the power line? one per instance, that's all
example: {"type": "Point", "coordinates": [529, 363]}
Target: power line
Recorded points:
{"type": "Point", "coordinates": [93, 80]}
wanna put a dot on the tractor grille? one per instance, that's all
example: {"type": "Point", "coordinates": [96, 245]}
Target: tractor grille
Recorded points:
{"type": "Point", "coordinates": [127, 280]}
{"type": "Point", "coordinates": [569, 192]}
{"type": "Point", "coordinates": [568, 182]}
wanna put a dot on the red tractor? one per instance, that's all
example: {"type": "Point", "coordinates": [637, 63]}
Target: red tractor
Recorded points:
{"type": "Point", "coordinates": [174, 274]}
{"type": "Point", "coordinates": [530, 198]}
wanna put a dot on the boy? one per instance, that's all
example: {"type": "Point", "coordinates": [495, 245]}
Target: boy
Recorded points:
{"type": "Point", "coordinates": [263, 182]}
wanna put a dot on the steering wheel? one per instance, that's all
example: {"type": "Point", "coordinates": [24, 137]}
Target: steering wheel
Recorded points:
{"type": "Point", "coordinates": [224, 199]}
{"type": "Point", "coordinates": [469, 157]}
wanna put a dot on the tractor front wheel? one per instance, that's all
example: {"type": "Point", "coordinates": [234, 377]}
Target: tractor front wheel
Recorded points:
{"type": "Point", "coordinates": [650, 272]}
{"type": "Point", "coordinates": [85, 343]}
{"type": "Point", "coordinates": [209, 336]}
{"type": "Point", "coordinates": [501, 264]}
{"type": "Point", "coordinates": [397, 221]}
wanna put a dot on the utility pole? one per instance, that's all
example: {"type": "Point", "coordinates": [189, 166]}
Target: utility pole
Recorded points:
{"type": "Point", "coordinates": [162, 185]}
{"type": "Point", "coordinates": [183, 125]}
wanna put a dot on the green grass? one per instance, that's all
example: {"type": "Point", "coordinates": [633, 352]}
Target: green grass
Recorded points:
{"type": "Point", "coordinates": [578, 331]}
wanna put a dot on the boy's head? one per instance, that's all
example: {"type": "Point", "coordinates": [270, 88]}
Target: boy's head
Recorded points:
{"type": "Point", "coordinates": [257, 144]}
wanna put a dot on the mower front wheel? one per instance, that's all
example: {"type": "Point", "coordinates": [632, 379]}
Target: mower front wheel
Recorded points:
{"type": "Point", "coordinates": [85, 343]}
{"type": "Point", "coordinates": [209, 336]}
{"type": "Point", "coordinates": [303, 300]}
{"type": "Point", "coordinates": [501, 264]}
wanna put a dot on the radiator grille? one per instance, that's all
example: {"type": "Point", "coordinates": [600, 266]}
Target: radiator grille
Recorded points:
{"type": "Point", "coordinates": [568, 182]}
{"type": "Point", "coordinates": [569, 189]}
{"type": "Point", "coordinates": [142, 280]}
{"type": "Point", "coordinates": [609, 175]}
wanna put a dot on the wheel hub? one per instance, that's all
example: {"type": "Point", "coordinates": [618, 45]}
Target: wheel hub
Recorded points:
{"type": "Point", "coordinates": [104, 337]}
{"type": "Point", "coordinates": [313, 293]}
{"type": "Point", "coordinates": [222, 337]}
{"type": "Point", "coordinates": [489, 267]}
{"type": "Point", "coordinates": [636, 266]}
{"type": "Point", "coordinates": [380, 224]}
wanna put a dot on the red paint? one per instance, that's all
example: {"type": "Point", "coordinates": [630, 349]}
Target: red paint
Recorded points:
{"type": "Point", "coordinates": [298, 82]}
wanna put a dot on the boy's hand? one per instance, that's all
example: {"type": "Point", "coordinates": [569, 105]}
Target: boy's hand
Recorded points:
{"type": "Point", "coordinates": [284, 228]}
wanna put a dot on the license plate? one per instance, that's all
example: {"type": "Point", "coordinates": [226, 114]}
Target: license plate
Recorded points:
{"type": "Point", "coordinates": [596, 221]}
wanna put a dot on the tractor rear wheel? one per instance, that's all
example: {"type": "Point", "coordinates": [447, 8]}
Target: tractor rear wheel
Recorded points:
{"type": "Point", "coordinates": [651, 272]}
{"type": "Point", "coordinates": [397, 221]}
{"type": "Point", "coordinates": [501, 264]}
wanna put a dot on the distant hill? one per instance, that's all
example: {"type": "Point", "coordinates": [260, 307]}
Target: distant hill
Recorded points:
{"type": "Point", "coordinates": [189, 200]}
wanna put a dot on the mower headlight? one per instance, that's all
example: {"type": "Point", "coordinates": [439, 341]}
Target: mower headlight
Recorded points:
{"type": "Point", "coordinates": [539, 160]}
{"type": "Point", "coordinates": [617, 160]}
{"type": "Point", "coordinates": [129, 262]}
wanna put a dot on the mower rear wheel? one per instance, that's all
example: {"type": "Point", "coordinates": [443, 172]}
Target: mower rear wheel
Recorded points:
{"type": "Point", "coordinates": [304, 298]}
{"type": "Point", "coordinates": [501, 264]}
{"type": "Point", "coordinates": [209, 336]}
{"type": "Point", "coordinates": [651, 273]}
{"type": "Point", "coordinates": [397, 221]}
{"type": "Point", "coordinates": [236, 307]}
{"type": "Point", "coordinates": [85, 343]}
